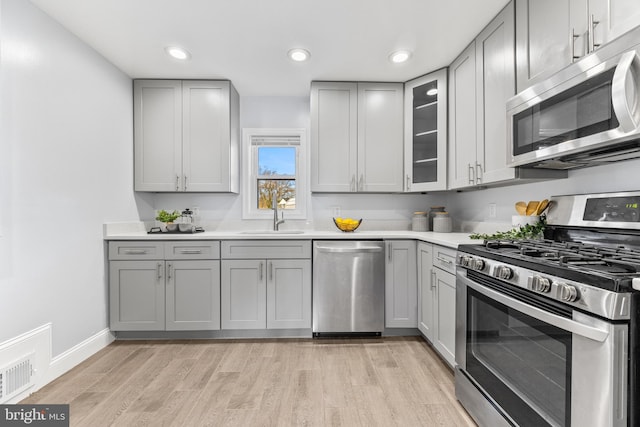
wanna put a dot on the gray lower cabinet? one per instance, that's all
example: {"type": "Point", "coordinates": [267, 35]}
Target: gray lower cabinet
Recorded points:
{"type": "Point", "coordinates": [426, 293]}
{"type": "Point", "coordinates": [266, 284]}
{"type": "Point", "coordinates": [437, 296]}
{"type": "Point", "coordinates": [401, 293]}
{"type": "Point", "coordinates": [136, 295]}
{"type": "Point", "coordinates": [444, 303]}
{"type": "Point", "coordinates": [177, 289]}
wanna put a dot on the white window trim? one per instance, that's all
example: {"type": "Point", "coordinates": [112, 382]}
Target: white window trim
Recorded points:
{"type": "Point", "coordinates": [249, 208]}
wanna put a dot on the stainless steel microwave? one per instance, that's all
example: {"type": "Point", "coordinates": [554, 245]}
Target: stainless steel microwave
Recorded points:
{"type": "Point", "coordinates": [586, 114]}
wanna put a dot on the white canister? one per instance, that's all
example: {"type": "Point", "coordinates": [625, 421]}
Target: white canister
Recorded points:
{"type": "Point", "coordinates": [419, 221]}
{"type": "Point", "coordinates": [442, 222]}
{"type": "Point", "coordinates": [522, 220]}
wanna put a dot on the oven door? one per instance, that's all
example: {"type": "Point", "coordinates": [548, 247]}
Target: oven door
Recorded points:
{"type": "Point", "coordinates": [535, 363]}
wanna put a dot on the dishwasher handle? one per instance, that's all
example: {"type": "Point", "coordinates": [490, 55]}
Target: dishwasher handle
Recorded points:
{"type": "Point", "coordinates": [349, 250]}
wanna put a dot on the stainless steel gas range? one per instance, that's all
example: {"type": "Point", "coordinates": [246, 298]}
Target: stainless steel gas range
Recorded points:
{"type": "Point", "coordinates": [547, 330]}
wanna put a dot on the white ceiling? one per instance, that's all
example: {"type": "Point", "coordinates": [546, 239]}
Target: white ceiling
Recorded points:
{"type": "Point", "coordinates": [246, 41]}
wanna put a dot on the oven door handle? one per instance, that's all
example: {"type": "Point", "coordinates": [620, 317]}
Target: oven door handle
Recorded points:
{"type": "Point", "coordinates": [569, 325]}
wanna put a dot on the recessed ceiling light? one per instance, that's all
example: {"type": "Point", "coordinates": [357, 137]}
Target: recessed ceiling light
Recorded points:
{"type": "Point", "coordinates": [299, 55]}
{"type": "Point", "coordinates": [399, 56]}
{"type": "Point", "coordinates": [177, 52]}
{"type": "Point", "coordinates": [432, 91]}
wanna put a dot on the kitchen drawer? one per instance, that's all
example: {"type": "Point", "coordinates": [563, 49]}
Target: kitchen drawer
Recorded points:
{"type": "Point", "coordinates": [136, 250]}
{"type": "Point", "coordinates": [262, 249]}
{"type": "Point", "coordinates": [444, 258]}
{"type": "Point", "coordinates": [192, 250]}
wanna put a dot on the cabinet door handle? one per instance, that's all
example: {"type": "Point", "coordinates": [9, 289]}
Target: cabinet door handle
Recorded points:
{"type": "Point", "coordinates": [472, 174]}
{"type": "Point", "coordinates": [159, 267]}
{"type": "Point", "coordinates": [592, 30]}
{"type": "Point", "coordinates": [185, 182]}
{"type": "Point", "coordinates": [572, 45]}
{"type": "Point", "coordinates": [408, 183]}
{"type": "Point", "coordinates": [361, 183]}
{"type": "Point", "coordinates": [446, 261]}
{"type": "Point", "coordinates": [389, 251]}
{"type": "Point", "coordinates": [271, 271]}
{"type": "Point", "coordinates": [135, 251]}
{"type": "Point", "coordinates": [353, 183]}
{"type": "Point", "coordinates": [261, 267]}
{"type": "Point", "coordinates": [169, 270]}
{"type": "Point", "coordinates": [177, 183]}
{"type": "Point", "coordinates": [433, 279]}
{"type": "Point", "coordinates": [479, 173]}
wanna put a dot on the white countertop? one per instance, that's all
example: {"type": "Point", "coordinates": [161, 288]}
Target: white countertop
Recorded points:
{"type": "Point", "coordinates": [138, 232]}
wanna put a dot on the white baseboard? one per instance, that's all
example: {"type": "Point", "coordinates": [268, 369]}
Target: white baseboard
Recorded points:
{"type": "Point", "coordinates": [78, 353]}
{"type": "Point", "coordinates": [47, 369]}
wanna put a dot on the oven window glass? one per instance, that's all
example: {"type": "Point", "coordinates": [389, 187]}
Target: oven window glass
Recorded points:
{"type": "Point", "coordinates": [523, 363]}
{"type": "Point", "coordinates": [575, 113]}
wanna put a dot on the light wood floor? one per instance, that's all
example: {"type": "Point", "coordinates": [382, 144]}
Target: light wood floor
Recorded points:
{"type": "Point", "coordinates": [326, 382]}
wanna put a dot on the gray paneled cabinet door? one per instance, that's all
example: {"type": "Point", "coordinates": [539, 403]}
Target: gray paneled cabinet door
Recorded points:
{"type": "Point", "coordinates": [137, 295]}
{"type": "Point", "coordinates": [444, 331]}
{"type": "Point", "coordinates": [426, 290]}
{"type": "Point", "coordinates": [288, 294]}
{"type": "Point", "coordinates": [462, 119]}
{"type": "Point", "coordinates": [193, 295]}
{"type": "Point", "coordinates": [243, 294]}
{"type": "Point", "coordinates": [380, 137]}
{"type": "Point", "coordinates": [611, 18]}
{"type": "Point", "coordinates": [495, 84]}
{"type": "Point", "coordinates": [401, 292]}
{"type": "Point", "coordinates": [334, 136]}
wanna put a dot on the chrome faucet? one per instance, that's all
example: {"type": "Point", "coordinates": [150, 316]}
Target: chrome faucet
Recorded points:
{"type": "Point", "coordinates": [274, 206]}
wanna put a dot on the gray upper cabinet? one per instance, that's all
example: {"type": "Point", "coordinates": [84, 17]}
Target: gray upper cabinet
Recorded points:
{"type": "Point", "coordinates": [356, 137]}
{"type": "Point", "coordinates": [462, 119]}
{"type": "Point", "coordinates": [186, 136]}
{"type": "Point", "coordinates": [482, 79]}
{"type": "Point", "coordinates": [425, 132]}
{"type": "Point", "coordinates": [542, 39]}
{"type": "Point", "coordinates": [552, 34]}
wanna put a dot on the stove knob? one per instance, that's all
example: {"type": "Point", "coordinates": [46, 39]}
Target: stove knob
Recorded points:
{"type": "Point", "coordinates": [478, 264]}
{"type": "Point", "coordinates": [539, 284]}
{"type": "Point", "coordinates": [567, 293]}
{"type": "Point", "coordinates": [503, 272]}
{"type": "Point", "coordinates": [466, 260]}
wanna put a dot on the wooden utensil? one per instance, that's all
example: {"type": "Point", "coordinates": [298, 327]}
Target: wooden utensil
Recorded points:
{"type": "Point", "coordinates": [542, 207]}
{"type": "Point", "coordinates": [532, 207]}
{"type": "Point", "coordinates": [521, 208]}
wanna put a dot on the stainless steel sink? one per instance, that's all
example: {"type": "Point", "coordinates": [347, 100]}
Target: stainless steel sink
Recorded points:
{"type": "Point", "coordinates": [258, 232]}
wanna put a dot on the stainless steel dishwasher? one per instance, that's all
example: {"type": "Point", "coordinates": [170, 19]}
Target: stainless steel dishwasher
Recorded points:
{"type": "Point", "coordinates": [348, 287]}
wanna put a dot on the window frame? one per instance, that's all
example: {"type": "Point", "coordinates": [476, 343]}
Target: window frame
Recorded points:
{"type": "Point", "coordinates": [250, 177]}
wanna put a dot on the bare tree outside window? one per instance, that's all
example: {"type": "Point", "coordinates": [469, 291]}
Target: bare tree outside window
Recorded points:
{"type": "Point", "coordinates": [276, 173]}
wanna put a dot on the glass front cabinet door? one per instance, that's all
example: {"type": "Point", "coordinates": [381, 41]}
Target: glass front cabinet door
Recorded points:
{"type": "Point", "coordinates": [426, 132]}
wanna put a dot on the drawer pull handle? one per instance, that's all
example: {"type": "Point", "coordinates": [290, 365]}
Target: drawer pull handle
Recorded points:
{"type": "Point", "coordinates": [135, 251]}
{"type": "Point", "coordinates": [446, 261]}
{"type": "Point", "coordinates": [191, 251]}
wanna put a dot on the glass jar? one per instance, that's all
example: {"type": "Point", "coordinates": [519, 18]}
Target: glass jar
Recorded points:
{"type": "Point", "coordinates": [432, 213]}
{"type": "Point", "coordinates": [419, 221]}
{"type": "Point", "coordinates": [442, 222]}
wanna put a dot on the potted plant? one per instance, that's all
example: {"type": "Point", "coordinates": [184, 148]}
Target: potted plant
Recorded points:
{"type": "Point", "coordinates": [168, 218]}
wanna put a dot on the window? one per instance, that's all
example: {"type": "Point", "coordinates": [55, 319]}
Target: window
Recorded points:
{"type": "Point", "coordinates": [275, 161]}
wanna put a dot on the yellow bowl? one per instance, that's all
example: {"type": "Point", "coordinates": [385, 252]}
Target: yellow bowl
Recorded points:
{"type": "Point", "coordinates": [347, 227]}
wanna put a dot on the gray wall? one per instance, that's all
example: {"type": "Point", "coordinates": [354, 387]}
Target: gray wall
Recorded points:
{"type": "Point", "coordinates": [66, 168]}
